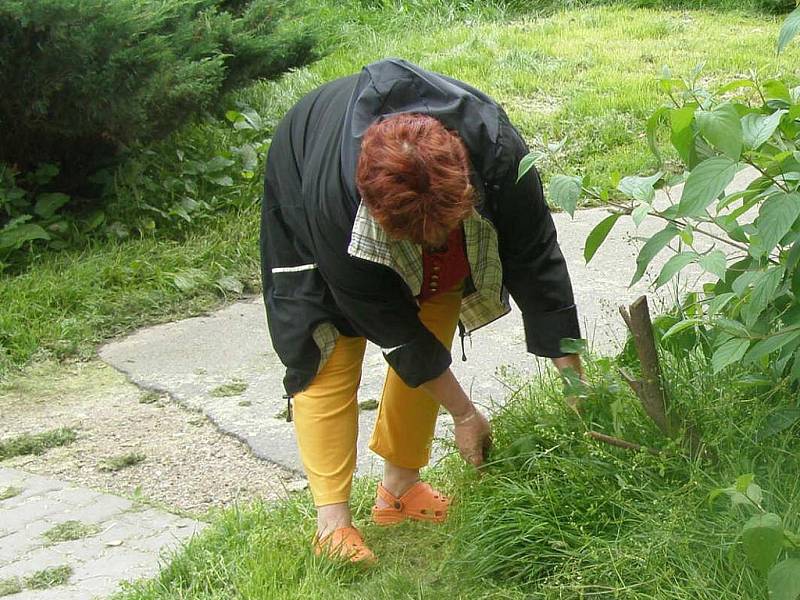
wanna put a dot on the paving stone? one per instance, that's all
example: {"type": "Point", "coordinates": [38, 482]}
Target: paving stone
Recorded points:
{"type": "Point", "coordinates": [102, 508]}
{"type": "Point", "coordinates": [30, 511]}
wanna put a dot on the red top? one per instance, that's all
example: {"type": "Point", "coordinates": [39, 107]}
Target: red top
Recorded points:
{"type": "Point", "coordinates": [442, 270]}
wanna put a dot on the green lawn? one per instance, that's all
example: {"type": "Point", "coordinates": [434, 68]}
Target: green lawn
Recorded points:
{"type": "Point", "coordinates": [587, 76]}
{"type": "Point", "coordinates": [555, 516]}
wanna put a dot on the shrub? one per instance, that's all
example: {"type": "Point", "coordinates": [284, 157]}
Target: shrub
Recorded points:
{"type": "Point", "coordinates": [84, 79]}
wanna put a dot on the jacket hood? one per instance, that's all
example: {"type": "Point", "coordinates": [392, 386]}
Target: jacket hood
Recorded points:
{"type": "Point", "coordinates": [395, 86]}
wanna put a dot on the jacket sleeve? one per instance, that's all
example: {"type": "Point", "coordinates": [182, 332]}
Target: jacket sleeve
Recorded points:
{"type": "Point", "coordinates": [379, 306]}
{"type": "Point", "coordinates": [534, 269]}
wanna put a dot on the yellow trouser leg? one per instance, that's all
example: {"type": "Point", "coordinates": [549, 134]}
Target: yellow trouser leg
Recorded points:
{"type": "Point", "coordinates": [407, 416]}
{"type": "Point", "coordinates": [326, 423]}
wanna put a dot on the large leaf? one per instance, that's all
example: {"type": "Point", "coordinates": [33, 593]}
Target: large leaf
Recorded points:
{"type": "Point", "coordinates": [729, 353]}
{"type": "Point", "coordinates": [565, 191]}
{"type": "Point", "coordinates": [651, 248]}
{"type": "Point", "coordinates": [14, 237]}
{"type": "Point", "coordinates": [722, 127]}
{"type": "Point", "coordinates": [771, 344]}
{"type": "Point", "coordinates": [781, 420]}
{"type": "Point", "coordinates": [757, 128]}
{"type": "Point", "coordinates": [714, 262]}
{"type": "Point", "coordinates": [705, 183]}
{"type": "Point", "coordinates": [762, 537]}
{"type": "Point", "coordinates": [790, 28]}
{"type": "Point", "coordinates": [784, 580]}
{"type": "Point", "coordinates": [48, 204]}
{"type": "Point", "coordinates": [598, 236]}
{"type": "Point", "coordinates": [640, 188]}
{"type": "Point", "coordinates": [682, 136]}
{"type": "Point", "coordinates": [776, 217]}
{"type": "Point", "coordinates": [674, 265]}
{"type": "Point", "coordinates": [764, 288]}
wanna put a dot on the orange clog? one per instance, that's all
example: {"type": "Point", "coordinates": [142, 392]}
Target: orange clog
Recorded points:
{"type": "Point", "coordinates": [421, 503]}
{"type": "Point", "coordinates": [345, 543]}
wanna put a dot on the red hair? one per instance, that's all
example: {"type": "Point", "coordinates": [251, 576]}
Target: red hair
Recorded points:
{"type": "Point", "coordinates": [413, 176]}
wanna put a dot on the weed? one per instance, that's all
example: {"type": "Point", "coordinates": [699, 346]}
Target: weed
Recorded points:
{"type": "Point", "coordinates": [10, 586]}
{"type": "Point", "coordinates": [149, 397]}
{"type": "Point", "coordinates": [69, 531]}
{"type": "Point", "coordinates": [370, 404]}
{"type": "Point", "coordinates": [10, 492]}
{"type": "Point", "coordinates": [123, 461]}
{"type": "Point", "coordinates": [245, 403]}
{"type": "Point", "coordinates": [232, 388]}
{"type": "Point", "coordinates": [47, 578]}
{"type": "Point", "coordinates": [37, 443]}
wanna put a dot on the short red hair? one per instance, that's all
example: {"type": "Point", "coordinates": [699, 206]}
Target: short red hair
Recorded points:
{"type": "Point", "coordinates": [413, 176]}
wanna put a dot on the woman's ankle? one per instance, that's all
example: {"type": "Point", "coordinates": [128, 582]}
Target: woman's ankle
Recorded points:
{"type": "Point", "coordinates": [398, 480]}
{"type": "Point", "coordinates": [331, 517]}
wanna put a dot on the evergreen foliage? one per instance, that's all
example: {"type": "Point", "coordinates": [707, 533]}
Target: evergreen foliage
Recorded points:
{"type": "Point", "coordinates": [84, 79]}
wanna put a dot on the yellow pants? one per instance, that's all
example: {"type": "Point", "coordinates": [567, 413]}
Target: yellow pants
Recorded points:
{"type": "Point", "coordinates": [326, 413]}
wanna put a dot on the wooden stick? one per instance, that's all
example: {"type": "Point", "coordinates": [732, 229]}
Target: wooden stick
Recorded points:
{"type": "Point", "coordinates": [613, 441]}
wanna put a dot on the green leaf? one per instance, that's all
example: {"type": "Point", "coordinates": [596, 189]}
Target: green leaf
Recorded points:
{"type": "Point", "coordinates": [722, 127]}
{"type": "Point", "coordinates": [776, 217]}
{"type": "Point", "coordinates": [598, 236]}
{"type": "Point", "coordinates": [763, 292]}
{"type": "Point", "coordinates": [12, 238]}
{"type": "Point", "coordinates": [757, 128]}
{"type": "Point", "coordinates": [680, 326]}
{"type": "Point", "coordinates": [218, 163]}
{"type": "Point", "coordinates": [188, 279]}
{"type": "Point", "coordinates": [228, 283]}
{"type": "Point", "coordinates": [733, 327]}
{"type": "Point", "coordinates": [770, 345]}
{"type": "Point", "coordinates": [224, 181]}
{"type": "Point", "coordinates": [650, 250]}
{"type": "Point", "coordinates": [790, 28]}
{"type": "Point", "coordinates": [640, 213]}
{"type": "Point", "coordinates": [48, 204]}
{"type": "Point", "coordinates": [640, 188]}
{"type": "Point", "coordinates": [715, 262]}
{"type": "Point", "coordinates": [783, 580]}
{"type": "Point", "coordinates": [762, 538]}
{"type": "Point", "coordinates": [729, 353]}
{"type": "Point", "coordinates": [674, 265]}
{"type": "Point", "coordinates": [527, 163]}
{"type": "Point", "coordinates": [781, 420]}
{"type": "Point", "coordinates": [565, 191]}
{"type": "Point", "coordinates": [705, 183]}
{"type": "Point", "coordinates": [719, 302]}
{"type": "Point", "coordinates": [682, 136]}
{"type": "Point", "coordinates": [573, 346]}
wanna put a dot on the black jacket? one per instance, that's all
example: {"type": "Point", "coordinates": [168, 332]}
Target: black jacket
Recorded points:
{"type": "Point", "coordinates": [316, 286]}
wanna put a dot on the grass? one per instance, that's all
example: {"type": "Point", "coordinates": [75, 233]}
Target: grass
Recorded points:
{"type": "Point", "coordinates": [231, 388]}
{"type": "Point", "coordinates": [48, 578]}
{"type": "Point", "coordinates": [10, 586]}
{"type": "Point", "coordinates": [554, 515]}
{"type": "Point", "coordinates": [586, 76]}
{"type": "Point", "coordinates": [370, 404]}
{"type": "Point", "coordinates": [10, 492]}
{"type": "Point", "coordinates": [69, 531]}
{"type": "Point", "coordinates": [149, 397]}
{"type": "Point", "coordinates": [37, 443]}
{"type": "Point", "coordinates": [123, 461]}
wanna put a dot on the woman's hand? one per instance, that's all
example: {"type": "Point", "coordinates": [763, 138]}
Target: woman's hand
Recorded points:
{"type": "Point", "coordinates": [473, 437]}
{"type": "Point", "coordinates": [472, 431]}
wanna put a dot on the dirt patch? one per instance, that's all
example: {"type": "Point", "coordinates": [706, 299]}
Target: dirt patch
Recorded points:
{"type": "Point", "coordinates": [186, 463]}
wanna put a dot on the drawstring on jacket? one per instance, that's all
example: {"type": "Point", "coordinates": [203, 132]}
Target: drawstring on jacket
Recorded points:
{"type": "Point", "coordinates": [462, 333]}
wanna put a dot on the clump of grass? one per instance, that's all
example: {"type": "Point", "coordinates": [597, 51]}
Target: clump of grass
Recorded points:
{"type": "Point", "coordinates": [149, 397]}
{"type": "Point", "coordinates": [123, 461]}
{"type": "Point", "coordinates": [245, 403]}
{"type": "Point", "coordinates": [69, 531]}
{"type": "Point", "coordinates": [370, 404]}
{"type": "Point", "coordinates": [47, 578]}
{"type": "Point", "coordinates": [10, 492]}
{"type": "Point", "coordinates": [37, 443]}
{"type": "Point", "coordinates": [10, 586]}
{"type": "Point", "coordinates": [232, 388]}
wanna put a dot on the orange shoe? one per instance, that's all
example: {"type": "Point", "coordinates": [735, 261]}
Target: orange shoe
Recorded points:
{"type": "Point", "coordinates": [421, 503]}
{"type": "Point", "coordinates": [345, 543]}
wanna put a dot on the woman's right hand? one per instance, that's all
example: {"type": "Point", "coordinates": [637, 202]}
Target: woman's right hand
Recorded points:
{"type": "Point", "coordinates": [473, 437]}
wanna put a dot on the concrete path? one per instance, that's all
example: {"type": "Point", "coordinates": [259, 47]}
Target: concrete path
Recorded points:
{"type": "Point", "coordinates": [125, 541]}
{"type": "Point", "coordinates": [190, 359]}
